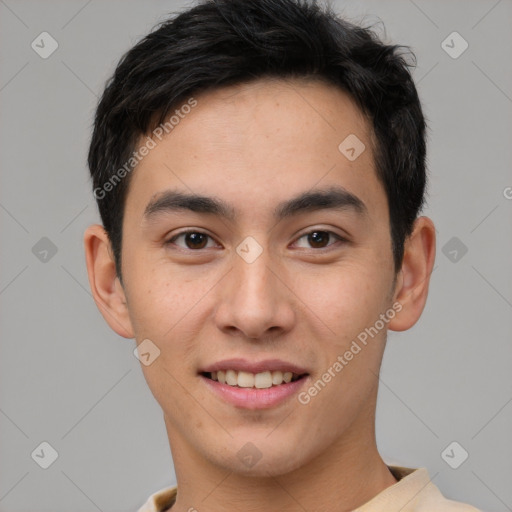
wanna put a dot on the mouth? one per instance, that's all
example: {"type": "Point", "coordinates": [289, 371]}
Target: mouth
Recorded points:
{"type": "Point", "coordinates": [261, 380]}
{"type": "Point", "coordinates": [248, 384]}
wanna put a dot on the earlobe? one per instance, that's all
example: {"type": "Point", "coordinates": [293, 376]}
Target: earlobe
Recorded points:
{"type": "Point", "coordinates": [414, 277]}
{"type": "Point", "coordinates": [106, 289]}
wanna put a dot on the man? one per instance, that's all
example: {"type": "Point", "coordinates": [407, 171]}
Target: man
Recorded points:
{"type": "Point", "coordinates": [259, 167]}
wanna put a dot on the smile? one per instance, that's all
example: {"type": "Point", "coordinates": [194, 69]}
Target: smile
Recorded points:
{"type": "Point", "coordinates": [262, 380]}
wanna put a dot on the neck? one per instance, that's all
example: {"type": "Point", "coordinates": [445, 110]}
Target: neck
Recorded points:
{"type": "Point", "coordinates": [344, 476]}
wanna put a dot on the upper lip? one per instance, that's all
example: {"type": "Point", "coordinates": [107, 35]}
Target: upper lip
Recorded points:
{"type": "Point", "coordinates": [244, 365]}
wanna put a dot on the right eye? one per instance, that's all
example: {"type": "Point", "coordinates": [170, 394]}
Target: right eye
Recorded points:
{"type": "Point", "coordinates": [193, 240]}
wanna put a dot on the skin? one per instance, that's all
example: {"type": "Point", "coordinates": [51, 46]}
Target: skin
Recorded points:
{"type": "Point", "coordinates": [254, 146]}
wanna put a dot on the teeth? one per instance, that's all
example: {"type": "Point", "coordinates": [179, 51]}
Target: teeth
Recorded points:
{"type": "Point", "coordinates": [261, 380]}
{"type": "Point", "coordinates": [231, 378]}
{"type": "Point", "coordinates": [245, 380]}
{"type": "Point", "coordinates": [277, 378]}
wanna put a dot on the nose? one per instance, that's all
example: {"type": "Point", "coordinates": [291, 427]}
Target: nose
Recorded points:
{"type": "Point", "coordinates": [256, 301]}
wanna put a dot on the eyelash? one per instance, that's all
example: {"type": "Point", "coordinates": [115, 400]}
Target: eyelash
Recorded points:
{"type": "Point", "coordinates": [183, 233]}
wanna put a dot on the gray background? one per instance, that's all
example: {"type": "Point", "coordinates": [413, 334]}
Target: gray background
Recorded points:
{"type": "Point", "coordinates": [67, 379]}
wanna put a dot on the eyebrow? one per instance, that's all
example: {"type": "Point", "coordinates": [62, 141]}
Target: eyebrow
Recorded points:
{"type": "Point", "coordinates": [333, 198]}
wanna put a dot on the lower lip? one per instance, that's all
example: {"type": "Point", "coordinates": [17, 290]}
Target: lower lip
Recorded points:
{"type": "Point", "coordinates": [254, 398]}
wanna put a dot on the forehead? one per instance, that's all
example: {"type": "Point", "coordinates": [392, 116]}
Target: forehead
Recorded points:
{"type": "Point", "coordinates": [254, 143]}
{"type": "Point", "coordinates": [243, 115]}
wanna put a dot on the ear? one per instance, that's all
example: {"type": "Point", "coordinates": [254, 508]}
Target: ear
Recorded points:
{"type": "Point", "coordinates": [414, 277]}
{"type": "Point", "coordinates": [106, 288]}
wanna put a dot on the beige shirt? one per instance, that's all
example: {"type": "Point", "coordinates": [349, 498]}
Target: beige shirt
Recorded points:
{"type": "Point", "coordinates": [414, 492]}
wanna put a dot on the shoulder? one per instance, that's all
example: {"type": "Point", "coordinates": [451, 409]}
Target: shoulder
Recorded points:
{"type": "Point", "coordinates": [414, 491]}
{"type": "Point", "coordinates": [160, 500]}
{"type": "Point", "coordinates": [427, 496]}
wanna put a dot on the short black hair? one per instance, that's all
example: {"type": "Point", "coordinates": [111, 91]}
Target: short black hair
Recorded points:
{"type": "Point", "coordinates": [218, 43]}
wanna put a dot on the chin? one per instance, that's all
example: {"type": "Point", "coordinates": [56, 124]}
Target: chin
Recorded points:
{"type": "Point", "coordinates": [265, 461]}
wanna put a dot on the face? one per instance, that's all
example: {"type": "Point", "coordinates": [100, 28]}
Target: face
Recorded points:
{"type": "Point", "coordinates": [254, 280]}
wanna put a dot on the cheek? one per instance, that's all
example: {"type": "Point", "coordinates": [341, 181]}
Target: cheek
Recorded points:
{"type": "Point", "coordinates": [163, 309]}
{"type": "Point", "coordinates": [345, 303]}
{"type": "Point", "coordinates": [344, 298]}
{"type": "Point", "coordinates": [160, 299]}
{"type": "Point", "coordinates": [168, 307]}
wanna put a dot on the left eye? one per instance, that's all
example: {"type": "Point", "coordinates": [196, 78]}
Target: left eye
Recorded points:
{"type": "Point", "coordinates": [192, 239]}
{"type": "Point", "coordinates": [319, 239]}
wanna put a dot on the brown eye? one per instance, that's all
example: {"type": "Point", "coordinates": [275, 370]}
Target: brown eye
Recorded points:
{"type": "Point", "coordinates": [194, 240]}
{"type": "Point", "coordinates": [318, 239]}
